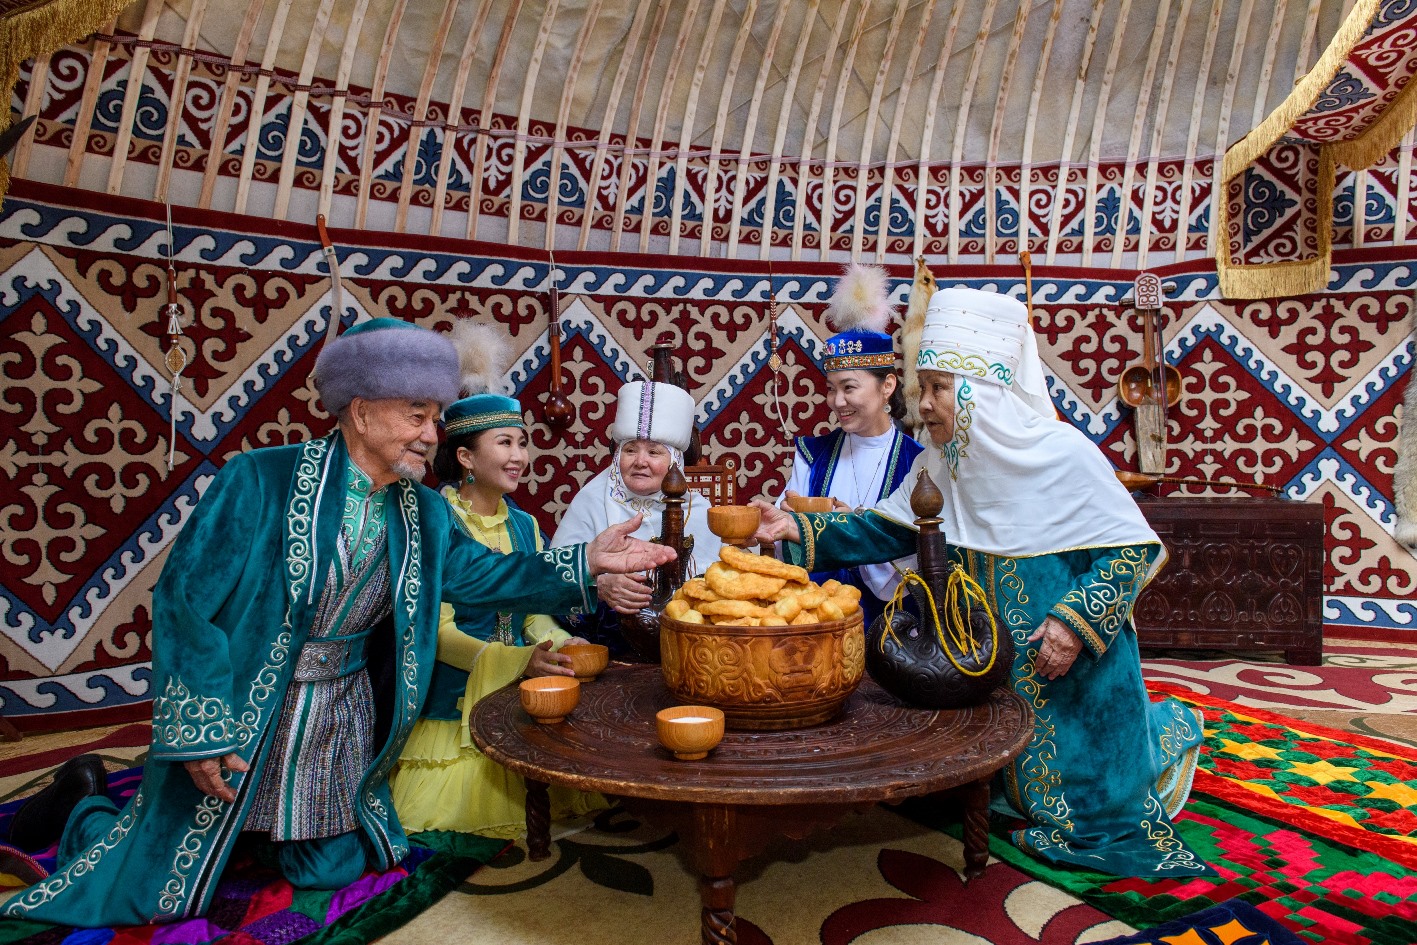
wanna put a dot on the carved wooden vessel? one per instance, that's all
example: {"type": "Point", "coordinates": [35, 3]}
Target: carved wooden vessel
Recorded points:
{"type": "Point", "coordinates": [765, 678]}
{"type": "Point", "coordinates": [917, 660]}
{"type": "Point", "coordinates": [641, 630]}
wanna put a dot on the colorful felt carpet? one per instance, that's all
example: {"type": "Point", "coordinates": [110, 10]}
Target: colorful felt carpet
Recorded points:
{"type": "Point", "coordinates": [253, 905]}
{"type": "Point", "coordinates": [1309, 825]}
{"type": "Point", "coordinates": [1233, 923]}
{"type": "Point", "coordinates": [1310, 828]}
{"type": "Point", "coordinates": [1365, 687]}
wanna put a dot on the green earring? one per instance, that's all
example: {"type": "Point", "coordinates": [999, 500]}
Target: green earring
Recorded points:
{"type": "Point", "coordinates": [470, 479]}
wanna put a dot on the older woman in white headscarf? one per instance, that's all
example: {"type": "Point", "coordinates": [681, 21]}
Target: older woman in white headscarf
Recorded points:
{"type": "Point", "coordinates": [1034, 513]}
{"type": "Point", "coordinates": [652, 427]}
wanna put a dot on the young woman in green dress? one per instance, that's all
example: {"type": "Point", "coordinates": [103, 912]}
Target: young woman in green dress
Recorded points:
{"type": "Point", "coordinates": [443, 782]}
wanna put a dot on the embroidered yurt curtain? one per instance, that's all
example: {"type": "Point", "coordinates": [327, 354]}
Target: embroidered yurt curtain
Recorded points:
{"type": "Point", "coordinates": [1276, 211]}
{"type": "Point", "coordinates": [30, 28]}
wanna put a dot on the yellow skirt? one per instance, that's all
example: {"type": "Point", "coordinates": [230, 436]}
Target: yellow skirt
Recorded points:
{"type": "Point", "coordinates": [440, 785]}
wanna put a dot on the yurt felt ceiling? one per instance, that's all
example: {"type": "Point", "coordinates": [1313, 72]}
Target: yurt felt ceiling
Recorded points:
{"type": "Point", "coordinates": [843, 85]}
{"type": "Point", "coordinates": [853, 81]}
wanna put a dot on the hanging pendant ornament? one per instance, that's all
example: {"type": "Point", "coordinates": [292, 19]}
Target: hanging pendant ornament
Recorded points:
{"type": "Point", "coordinates": [774, 359]}
{"type": "Point", "coordinates": [176, 357]}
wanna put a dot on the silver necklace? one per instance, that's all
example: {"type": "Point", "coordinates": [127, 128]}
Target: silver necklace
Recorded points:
{"type": "Point", "coordinates": [859, 503]}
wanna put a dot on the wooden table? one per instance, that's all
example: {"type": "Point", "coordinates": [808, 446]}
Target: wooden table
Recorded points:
{"type": "Point", "coordinates": [755, 786]}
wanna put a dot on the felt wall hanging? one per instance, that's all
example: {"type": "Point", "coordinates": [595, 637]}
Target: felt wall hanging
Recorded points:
{"type": "Point", "coordinates": [1354, 106]}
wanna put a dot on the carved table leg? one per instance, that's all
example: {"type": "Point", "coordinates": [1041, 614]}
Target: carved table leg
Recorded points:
{"type": "Point", "coordinates": [717, 925]}
{"type": "Point", "coordinates": [976, 827]}
{"type": "Point", "coordinates": [538, 820]}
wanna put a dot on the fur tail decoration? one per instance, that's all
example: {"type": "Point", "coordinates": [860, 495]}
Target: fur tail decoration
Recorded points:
{"type": "Point", "coordinates": [1404, 478]}
{"type": "Point", "coordinates": [861, 300]}
{"type": "Point", "coordinates": [920, 292]}
{"type": "Point", "coordinates": [483, 356]}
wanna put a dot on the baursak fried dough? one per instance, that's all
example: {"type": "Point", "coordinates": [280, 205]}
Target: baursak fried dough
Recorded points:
{"type": "Point", "coordinates": [742, 560]}
{"type": "Point", "coordinates": [698, 589]}
{"type": "Point", "coordinates": [731, 608]}
{"type": "Point", "coordinates": [741, 585]}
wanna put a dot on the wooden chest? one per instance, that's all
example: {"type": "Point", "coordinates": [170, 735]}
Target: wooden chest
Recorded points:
{"type": "Point", "coordinates": [1244, 574]}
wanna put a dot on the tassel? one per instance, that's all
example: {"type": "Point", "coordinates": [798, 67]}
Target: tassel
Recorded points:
{"type": "Point", "coordinates": [961, 593]}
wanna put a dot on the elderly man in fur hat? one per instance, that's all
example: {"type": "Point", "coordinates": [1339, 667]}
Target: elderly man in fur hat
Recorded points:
{"type": "Point", "coordinates": [294, 629]}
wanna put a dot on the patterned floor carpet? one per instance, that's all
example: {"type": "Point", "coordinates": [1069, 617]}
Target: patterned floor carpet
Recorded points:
{"type": "Point", "coordinates": [890, 877]}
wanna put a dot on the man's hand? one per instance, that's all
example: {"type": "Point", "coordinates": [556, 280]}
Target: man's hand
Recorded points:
{"type": "Point", "coordinates": [775, 525]}
{"type": "Point", "coordinates": [1059, 649]}
{"type": "Point", "coordinates": [613, 551]}
{"type": "Point", "coordinates": [206, 774]}
{"type": "Point", "coordinates": [547, 662]}
{"type": "Point", "coordinates": [626, 593]}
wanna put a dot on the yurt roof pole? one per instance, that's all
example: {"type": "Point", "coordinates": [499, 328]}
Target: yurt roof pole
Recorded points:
{"type": "Point", "coordinates": [902, 106]}
{"type": "Point", "coordinates": [1129, 171]}
{"type": "Point", "coordinates": [924, 184]}
{"type": "Point", "coordinates": [258, 105]}
{"type": "Point", "coordinates": [376, 111]}
{"type": "Point", "coordinates": [454, 124]}
{"type": "Point", "coordinates": [632, 128]}
{"type": "Point", "coordinates": [686, 127]}
{"type": "Point", "coordinates": [976, 60]}
{"type": "Point", "coordinates": [809, 19]}
{"type": "Point", "coordinates": [996, 133]}
{"type": "Point", "coordinates": [1168, 83]}
{"type": "Point", "coordinates": [216, 152]}
{"type": "Point", "coordinates": [1065, 154]}
{"type": "Point", "coordinates": [809, 135]}
{"type": "Point", "coordinates": [333, 133]}
{"type": "Point", "coordinates": [720, 125]}
{"type": "Point", "coordinates": [533, 70]}
{"type": "Point", "coordinates": [1198, 100]}
{"type": "Point", "coordinates": [563, 120]}
{"type": "Point", "coordinates": [417, 129]}
{"type": "Point", "coordinates": [607, 123]}
{"type": "Point", "coordinates": [484, 119]}
{"type": "Point", "coordinates": [843, 82]}
{"type": "Point", "coordinates": [863, 163]}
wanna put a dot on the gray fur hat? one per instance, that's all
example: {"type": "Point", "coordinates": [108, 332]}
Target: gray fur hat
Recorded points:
{"type": "Point", "coordinates": [386, 358]}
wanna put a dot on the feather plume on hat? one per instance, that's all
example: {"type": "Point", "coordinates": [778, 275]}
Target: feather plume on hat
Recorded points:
{"type": "Point", "coordinates": [920, 292]}
{"type": "Point", "coordinates": [861, 300]}
{"type": "Point", "coordinates": [483, 357]}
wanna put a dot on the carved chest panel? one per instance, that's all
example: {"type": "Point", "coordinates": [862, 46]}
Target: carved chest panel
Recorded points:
{"type": "Point", "coordinates": [1244, 573]}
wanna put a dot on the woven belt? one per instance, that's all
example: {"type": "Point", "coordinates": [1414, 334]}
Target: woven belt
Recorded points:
{"type": "Point", "coordinates": [331, 659]}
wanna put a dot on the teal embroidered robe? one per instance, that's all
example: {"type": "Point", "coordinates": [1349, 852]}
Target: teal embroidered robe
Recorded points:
{"type": "Point", "coordinates": [1106, 769]}
{"type": "Point", "coordinates": [231, 611]}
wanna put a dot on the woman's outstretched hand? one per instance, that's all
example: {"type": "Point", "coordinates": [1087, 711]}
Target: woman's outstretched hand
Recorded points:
{"type": "Point", "coordinates": [547, 662]}
{"type": "Point", "coordinates": [613, 551]}
{"type": "Point", "coordinates": [775, 525]}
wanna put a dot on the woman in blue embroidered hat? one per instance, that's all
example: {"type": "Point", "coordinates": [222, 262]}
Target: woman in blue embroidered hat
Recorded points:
{"type": "Point", "coordinates": [443, 782]}
{"type": "Point", "coordinates": [1035, 516]}
{"type": "Point", "coordinates": [865, 458]}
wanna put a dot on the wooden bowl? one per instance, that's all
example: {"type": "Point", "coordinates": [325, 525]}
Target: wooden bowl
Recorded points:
{"type": "Point", "coordinates": [689, 731]}
{"type": "Point", "coordinates": [735, 524]}
{"type": "Point", "coordinates": [587, 659]}
{"type": "Point", "coordinates": [809, 503]}
{"type": "Point", "coordinates": [781, 678]}
{"type": "Point", "coordinates": [549, 699]}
